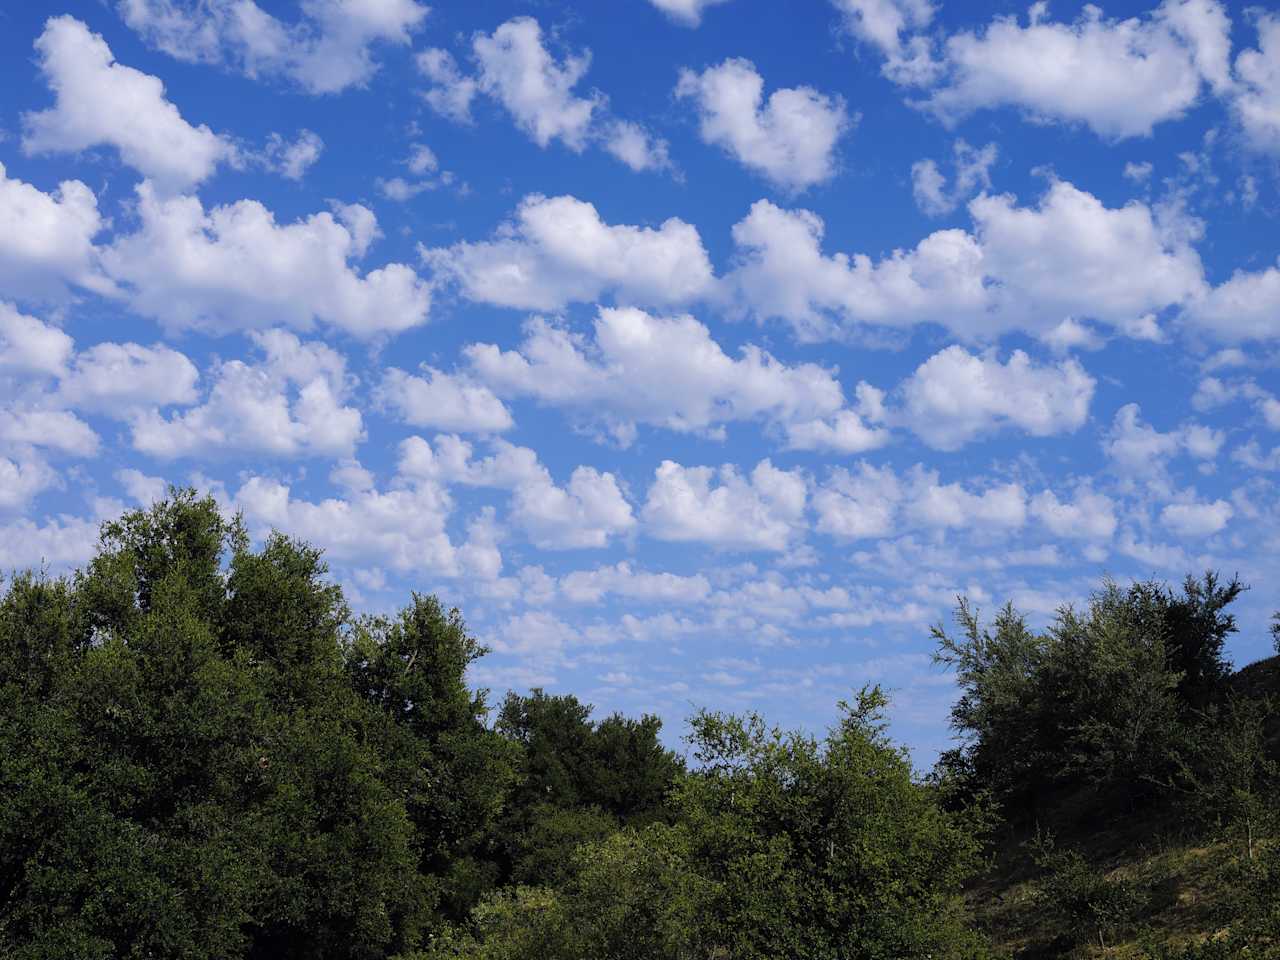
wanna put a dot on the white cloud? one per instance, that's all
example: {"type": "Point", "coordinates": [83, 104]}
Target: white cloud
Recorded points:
{"type": "Point", "coordinates": [444, 402]}
{"type": "Point", "coordinates": [403, 529]}
{"type": "Point", "coordinates": [452, 93]}
{"type": "Point", "coordinates": [143, 489]}
{"type": "Point", "coordinates": [1257, 102]}
{"type": "Point", "coordinates": [516, 70]}
{"type": "Point", "coordinates": [591, 586]}
{"type": "Point", "coordinates": [637, 147]}
{"type": "Point", "coordinates": [1246, 307]}
{"type": "Point", "coordinates": [859, 504]}
{"type": "Point", "coordinates": [1140, 450]}
{"type": "Point", "coordinates": [293, 160]}
{"type": "Point", "coordinates": [289, 405]}
{"type": "Point", "coordinates": [1138, 172]}
{"type": "Point", "coordinates": [59, 543]}
{"type": "Point", "coordinates": [559, 251]}
{"type": "Point", "coordinates": [20, 480]}
{"type": "Point", "coordinates": [1074, 256]}
{"type": "Point", "coordinates": [104, 103]}
{"type": "Point", "coordinates": [955, 397]}
{"type": "Point", "coordinates": [973, 173]}
{"type": "Point", "coordinates": [1091, 516]}
{"type": "Point", "coordinates": [781, 272]}
{"type": "Point", "coordinates": [1252, 456]}
{"type": "Point", "coordinates": [587, 512]}
{"type": "Point", "coordinates": [46, 240]}
{"type": "Point", "coordinates": [234, 268]}
{"type": "Point", "coordinates": [886, 25]}
{"type": "Point", "coordinates": [1135, 445]}
{"type": "Point", "coordinates": [120, 378]}
{"type": "Point", "coordinates": [687, 13]}
{"type": "Point", "coordinates": [1196, 519]}
{"type": "Point", "coordinates": [519, 72]}
{"type": "Point", "coordinates": [30, 346]}
{"type": "Point", "coordinates": [1213, 392]}
{"type": "Point", "coordinates": [663, 371]}
{"type": "Point", "coordinates": [761, 511]}
{"type": "Point", "coordinates": [1022, 268]}
{"type": "Point", "coordinates": [1070, 72]}
{"type": "Point", "coordinates": [952, 506]}
{"type": "Point", "coordinates": [874, 503]}
{"type": "Point", "coordinates": [327, 51]}
{"type": "Point", "coordinates": [423, 164]}
{"type": "Point", "coordinates": [790, 138]}
{"type": "Point", "coordinates": [55, 430]}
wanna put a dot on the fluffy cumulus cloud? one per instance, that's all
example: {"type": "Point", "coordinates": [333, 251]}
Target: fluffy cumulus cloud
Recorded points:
{"type": "Point", "coordinates": [328, 50]}
{"type": "Point", "coordinates": [47, 387]}
{"type": "Point", "coordinates": [972, 173]}
{"type": "Point", "coordinates": [1244, 307]}
{"type": "Point", "coordinates": [888, 26]}
{"type": "Point", "coordinates": [585, 513]}
{"type": "Point", "coordinates": [402, 528]}
{"type": "Point", "coordinates": [666, 372]}
{"type": "Point", "coordinates": [443, 401]}
{"type": "Point", "coordinates": [762, 510]}
{"type": "Point", "coordinates": [558, 250]}
{"type": "Point", "coordinates": [47, 239]}
{"type": "Point", "coordinates": [104, 103]}
{"type": "Point", "coordinates": [234, 267]}
{"type": "Point", "coordinates": [1069, 72]}
{"type": "Point", "coordinates": [1141, 452]}
{"type": "Point", "coordinates": [1257, 101]}
{"type": "Point", "coordinates": [28, 345]}
{"type": "Point", "coordinates": [790, 139]}
{"type": "Point", "coordinates": [1196, 519]}
{"type": "Point", "coordinates": [123, 378]}
{"type": "Point", "coordinates": [1021, 268]}
{"type": "Point", "coordinates": [955, 397]}
{"type": "Point", "coordinates": [60, 541]}
{"type": "Point", "coordinates": [1087, 516]}
{"type": "Point", "coordinates": [514, 68]}
{"type": "Point", "coordinates": [291, 404]}
{"type": "Point", "coordinates": [623, 580]}
{"type": "Point", "coordinates": [686, 12]}
{"type": "Point", "coordinates": [871, 502]}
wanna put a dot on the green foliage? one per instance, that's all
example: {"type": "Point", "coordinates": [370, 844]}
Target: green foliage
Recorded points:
{"type": "Point", "coordinates": [822, 849]}
{"type": "Point", "coordinates": [579, 781]}
{"type": "Point", "coordinates": [781, 846]}
{"type": "Point", "coordinates": [1109, 696]}
{"type": "Point", "coordinates": [1085, 900]}
{"type": "Point", "coordinates": [203, 754]}
{"type": "Point", "coordinates": [1228, 777]}
{"type": "Point", "coordinates": [189, 771]}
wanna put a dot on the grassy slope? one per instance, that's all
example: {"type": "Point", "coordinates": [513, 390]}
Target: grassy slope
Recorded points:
{"type": "Point", "coordinates": [1183, 874]}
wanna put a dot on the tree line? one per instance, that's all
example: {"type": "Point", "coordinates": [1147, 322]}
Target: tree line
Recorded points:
{"type": "Point", "coordinates": [205, 754]}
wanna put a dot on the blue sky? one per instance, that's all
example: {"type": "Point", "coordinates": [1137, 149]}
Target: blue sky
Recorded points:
{"type": "Point", "coordinates": [702, 352]}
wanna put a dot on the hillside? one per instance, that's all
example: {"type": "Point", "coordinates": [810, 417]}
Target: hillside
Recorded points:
{"type": "Point", "coordinates": [1189, 876]}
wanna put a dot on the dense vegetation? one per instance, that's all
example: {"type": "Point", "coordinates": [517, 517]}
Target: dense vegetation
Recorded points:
{"type": "Point", "coordinates": [205, 754]}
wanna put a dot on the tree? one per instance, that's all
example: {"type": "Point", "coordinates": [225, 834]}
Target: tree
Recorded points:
{"type": "Point", "coordinates": [579, 780]}
{"type": "Point", "coordinates": [455, 774]}
{"type": "Point", "coordinates": [196, 763]}
{"type": "Point", "coordinates": [822, 848]}
{"type": "Point", "coordinates": [1082, 897]}
{"type": "Point", "coordinates": [1229, 778]}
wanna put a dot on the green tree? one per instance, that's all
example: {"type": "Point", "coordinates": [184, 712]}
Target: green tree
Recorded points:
{"type": "Point", "coordinates": [817, 849]}
{"type": "Point", "coordinates": [579, 780]}
{"type": "Point", "coordinates": [191, 769]}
